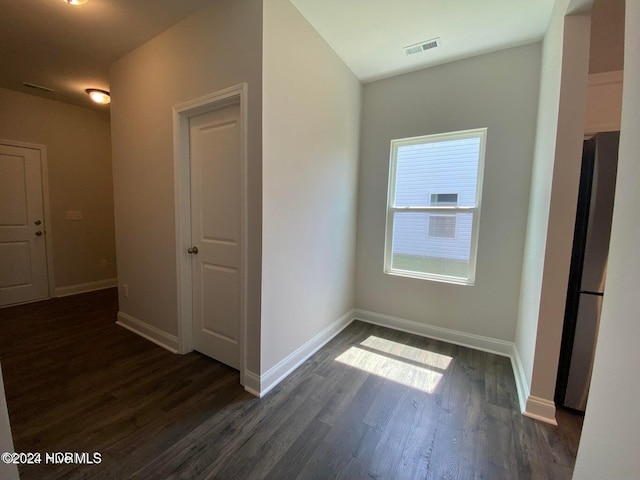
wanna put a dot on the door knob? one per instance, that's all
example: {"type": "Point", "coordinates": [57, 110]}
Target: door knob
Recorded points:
{"type": "Point", "coordinates": [38, 233]}
{"type": "Point", "coordinates": [37, 222]}
{"type": "Point", "coordinates": [193, 250]}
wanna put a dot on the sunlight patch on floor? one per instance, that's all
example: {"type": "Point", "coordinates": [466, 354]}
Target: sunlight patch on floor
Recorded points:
{"type": "Point", "coordinates": [418, 355]}
{"type": "Point", "coordinates": [410, 366]}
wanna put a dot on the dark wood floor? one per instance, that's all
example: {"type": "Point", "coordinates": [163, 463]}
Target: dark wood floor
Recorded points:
{"type": "Point", "coordinates": [76, 382]}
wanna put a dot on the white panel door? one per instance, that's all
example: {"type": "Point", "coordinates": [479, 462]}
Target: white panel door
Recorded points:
{"type": "Point", "coordinates": [23, 257]}
{"type": "Point", "coordinates": [215, 140]}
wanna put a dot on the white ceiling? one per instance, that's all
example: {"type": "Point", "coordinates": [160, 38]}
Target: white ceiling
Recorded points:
{"type": "Point", "coordinates": [369, 35]}
{"type": "Point", "coordinates": [69, 48]}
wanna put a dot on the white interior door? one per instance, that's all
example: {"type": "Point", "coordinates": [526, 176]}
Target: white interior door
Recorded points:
{"type": "Point", "coordinates": [215, 153]}
{"type": "Point", "coordinates": [23, 257]}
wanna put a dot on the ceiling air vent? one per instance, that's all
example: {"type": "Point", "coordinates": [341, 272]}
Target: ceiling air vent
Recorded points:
{"type": "Point", "coordinates": [422, 46]}
{"type": "Point", "coordinates": [38, 87]}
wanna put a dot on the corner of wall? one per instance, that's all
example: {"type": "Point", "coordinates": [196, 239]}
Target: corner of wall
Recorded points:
{"type": "Point", "coordinates": [530, 406]}
{"type": "Point", "coordinates": [263, 384]}
{"type": "Point", "coordinates": [251, 383]}
{"type": "Point", "coordinates": [153, 334]}
{"type": "Point", "coordinates": [522, 385]}
{"type": "Point", "coordinates": [561, 115]}
{"type": "Point", "coordinates": [310, 112]}
{"type": "Point", "coordinates": [540, 409]}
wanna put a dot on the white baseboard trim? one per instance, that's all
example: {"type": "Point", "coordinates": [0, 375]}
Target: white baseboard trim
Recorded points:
{"type": "Point", "coordinates": [284, 367]}
{"type": "Point", "coordinates": [531, 406]}
{"type": "Point", "coordinates": [86, 287]}
{"type": "Point", "coordinates": [477, 342]}
{"type": "Point", "coordinates": [151, 333]}
{"type": "Point", "coordinates": [252, 383]}
{"type": "Point", "coordinates": [540, 409]}
{"type": "Point", "coordinates": [522, 385]}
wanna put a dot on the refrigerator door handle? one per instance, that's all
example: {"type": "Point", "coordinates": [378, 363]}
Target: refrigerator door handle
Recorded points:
{"type": "Point", "coordinates": [588, 292]}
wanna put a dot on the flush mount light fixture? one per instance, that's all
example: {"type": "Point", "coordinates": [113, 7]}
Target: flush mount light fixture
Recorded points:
{"type": "Point", "coordinates": [99, 96]}
{"type": "Point", "coordinates": [76, 2]}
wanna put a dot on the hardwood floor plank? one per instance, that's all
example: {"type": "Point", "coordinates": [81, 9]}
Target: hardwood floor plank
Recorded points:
{"type": "Point", "coordinates": [142, 447]}
{"type": "Point", "coordinates": [358, 465]}
{"type": "Point", "coordinates": [475, 445]}
{"type": "Point", "coordinates": [384, 405]}
{"type": "Point", "coordinates": [388, 453]}
{"type": "Point", "coordinates": [372, 404]}
{"type": "Point", "coordinates": [501, 460]}
{"type": "Point", "coordinates": [256, 458]}
{"type": "Point", "coordinates": [299, 453]}
{"type": "Point", "coordinates": [334, 455]}
{"type": "Point", "coordinates": [346, 436]}
{"type": "Point", "coordinates": [420, 440]}
{"type": "Point", "coordinates": [349, 381]}
{"type": "Point", "coordinates": [208, 447]}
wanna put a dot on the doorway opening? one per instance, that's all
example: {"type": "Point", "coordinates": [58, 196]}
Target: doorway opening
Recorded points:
{"type": "Point", "coordinates": [210, 171]}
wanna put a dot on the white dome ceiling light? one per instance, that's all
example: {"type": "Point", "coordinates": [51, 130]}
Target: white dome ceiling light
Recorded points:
{"type": "Point", "coordinates": [99, 96]}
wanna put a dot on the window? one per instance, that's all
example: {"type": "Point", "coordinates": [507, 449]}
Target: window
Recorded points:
{"type": "Point", "coordinates": [442, 226]}
{"type": "Point", "coordinates": [433, 206]}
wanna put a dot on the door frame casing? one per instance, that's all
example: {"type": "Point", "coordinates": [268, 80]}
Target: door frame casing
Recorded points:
{"type": "Point", "coordinates": [235, 95]}
{"type": "Point", "coordinates": [44, 171]}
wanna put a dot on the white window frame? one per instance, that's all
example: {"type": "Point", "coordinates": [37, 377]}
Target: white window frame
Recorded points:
{"type": "Point", "coordinates": [392, 209]}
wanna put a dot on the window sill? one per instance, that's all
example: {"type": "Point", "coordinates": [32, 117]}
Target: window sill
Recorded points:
{"type": "Point", "coordinates": [431, 277]}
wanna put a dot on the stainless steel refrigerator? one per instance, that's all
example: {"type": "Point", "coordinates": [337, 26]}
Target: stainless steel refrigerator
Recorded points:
{"type": "Point", "coordinates": [586, 287]}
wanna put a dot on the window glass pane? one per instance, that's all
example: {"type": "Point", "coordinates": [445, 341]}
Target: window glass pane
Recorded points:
{"type": "Point", "coordinates": [442, 226]}
{"type": "Point", "coordinates": [422, 242]}
{"type": "Point", "coordinates": [441, 168]}
{"type": "Point", "coordinates": [446, 199]}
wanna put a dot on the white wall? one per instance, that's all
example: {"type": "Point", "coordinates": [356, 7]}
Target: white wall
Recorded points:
{"type": "Point", "coordinates": [498, 91]}
{"type": "Point", "coordinates": [8, 472]}
{"type": "Point", "coordinates": [611, 433]}
{"type": "Point", "coordinates": [311, 117]}
{"type": "Point", "coordinates": [554, 187]}
{"type": "Point", "coordinates": [216, 48]}
{"type": "Point", "coordinates": [542, 174]}
{"type": "Point", "coordinates": [78, 142]}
